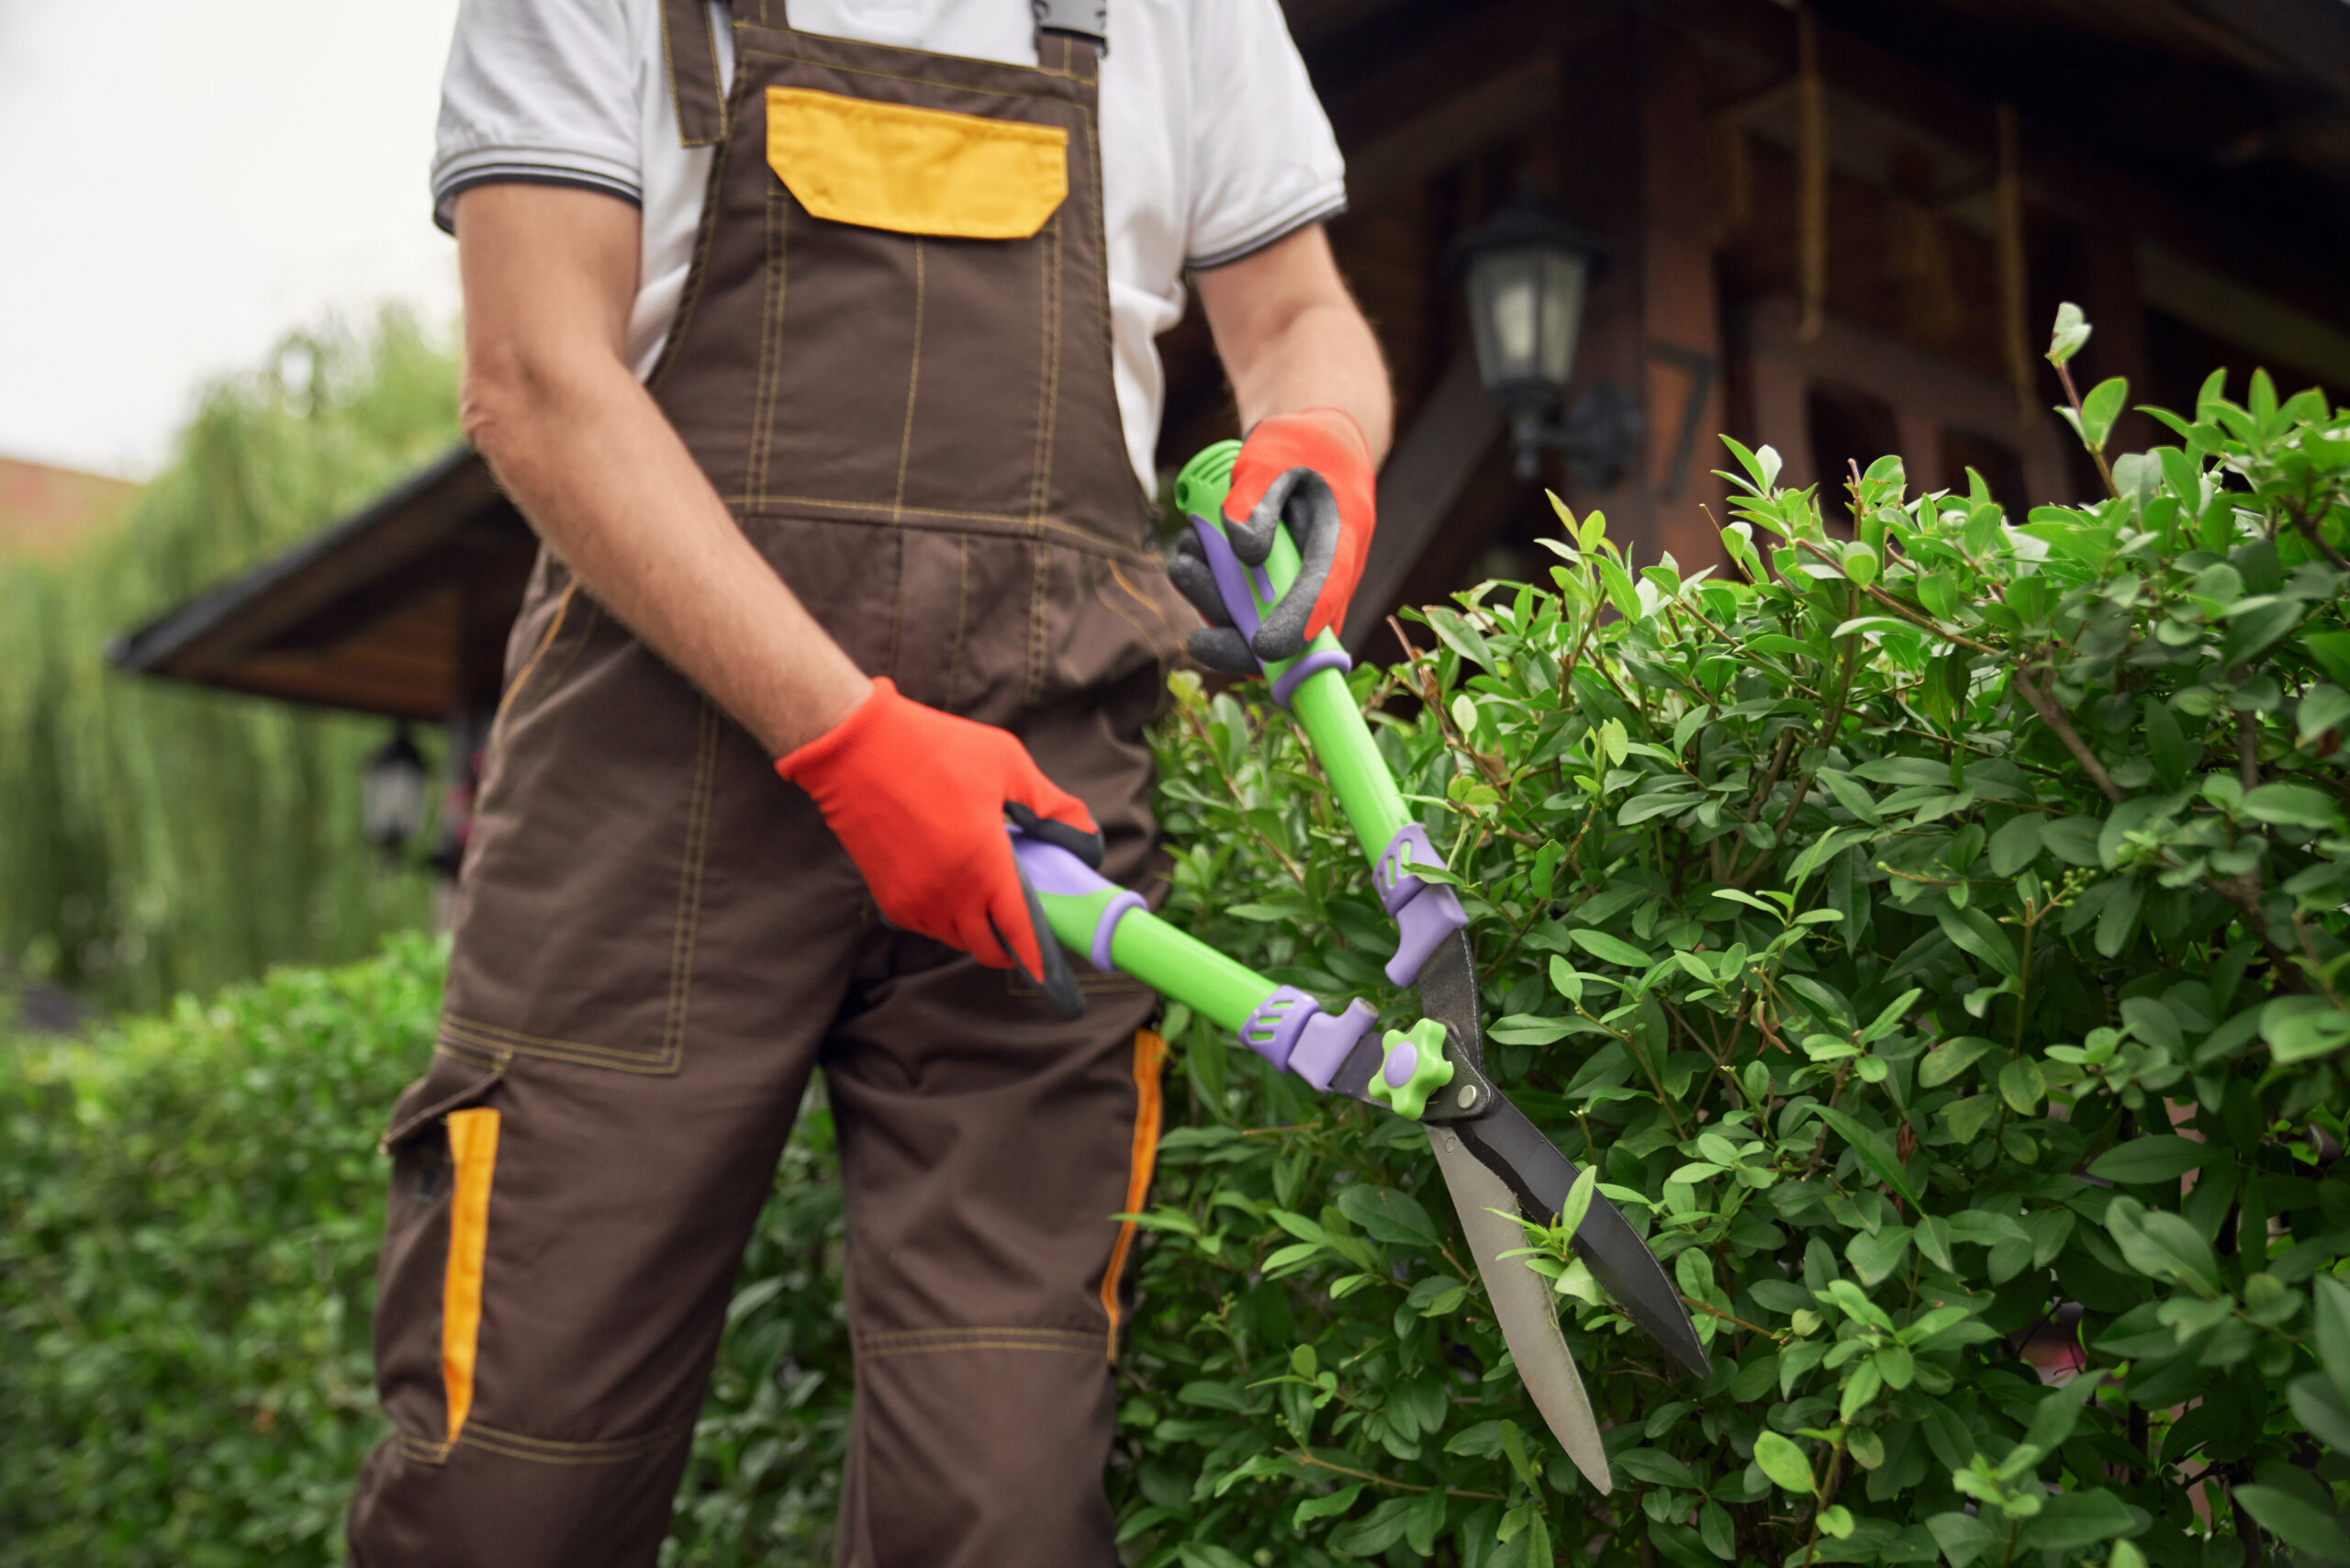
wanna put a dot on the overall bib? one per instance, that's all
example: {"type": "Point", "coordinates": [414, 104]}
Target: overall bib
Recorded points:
{"type": "Point", "coordinates": [893, 359]}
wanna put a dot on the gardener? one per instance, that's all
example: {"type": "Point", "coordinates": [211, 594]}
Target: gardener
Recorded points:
{"type": "Point", "coordinates": [822, 362]}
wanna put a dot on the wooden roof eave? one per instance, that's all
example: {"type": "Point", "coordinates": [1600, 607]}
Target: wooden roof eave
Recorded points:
{"type": "Point", "coordinates": [300, 626]}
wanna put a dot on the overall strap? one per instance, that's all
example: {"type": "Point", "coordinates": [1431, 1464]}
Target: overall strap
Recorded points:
{"type": "Point", "coordinates": [690, 50]}
{"type": "Point", "coordinates": [1087, 20]}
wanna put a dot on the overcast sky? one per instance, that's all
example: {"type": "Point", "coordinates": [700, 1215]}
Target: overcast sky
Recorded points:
{"type": "Point", "coordinates": [181, 183]}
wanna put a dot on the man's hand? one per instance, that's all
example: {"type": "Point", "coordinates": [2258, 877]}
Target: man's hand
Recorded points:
{"type": "Point", "coordinates": [919, 799]}
{"type": "Point", "coordinates": [1314, 399]}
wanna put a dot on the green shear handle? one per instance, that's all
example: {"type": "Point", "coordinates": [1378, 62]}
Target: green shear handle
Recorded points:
{"type": "Point", "coordinates": [1312, 686]}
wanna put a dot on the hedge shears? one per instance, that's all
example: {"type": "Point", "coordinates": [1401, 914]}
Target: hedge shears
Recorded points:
{"type": "Point", "coordinates": [1495, 1162]}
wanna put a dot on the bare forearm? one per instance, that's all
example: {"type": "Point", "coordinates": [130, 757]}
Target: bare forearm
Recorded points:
{"type": "Point", "coordinates": [549, 277]}
{"type": "Point", "coordinates": [1324, 357]}
{"type": "Point", "coordinates": [611, 488]}
{"type": "Point", "coordinates": [1292, 337]}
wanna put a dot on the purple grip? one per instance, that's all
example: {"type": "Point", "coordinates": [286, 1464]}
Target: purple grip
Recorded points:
{"type": "Point", "coordinates": [1233, 583]}
{"type": "Point", "coordinates": [1290, 1030]}
{"type": "Point", "coordinates": [1426, 913]}
{"type": "Point", "coordinates": [1323, 1044]}
{"type": "Point", "coordinates": [1271, 1031]}
{"type": "Point", "coordinates": [1052, 869]}
{"type": "Point", "coordinates": [1231, 576]}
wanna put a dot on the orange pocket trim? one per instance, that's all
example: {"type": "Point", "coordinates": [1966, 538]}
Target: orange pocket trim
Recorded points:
{"type": "Point", "coordinates": [1150, 1051]}
{"type": "Point", "coordinates": [473, 1149]}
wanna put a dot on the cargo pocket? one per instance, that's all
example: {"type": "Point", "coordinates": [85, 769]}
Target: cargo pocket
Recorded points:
{"type": "Point", "coordinates": [915, 171]}
{"type": "Point", "coordinates": [443, 1140]}
{"type": "Point", "coordinates": [906, 365]}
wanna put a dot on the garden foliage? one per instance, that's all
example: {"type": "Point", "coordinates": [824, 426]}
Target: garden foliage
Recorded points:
{"type": "Point", "coordinates": [160, 837]}
{"type": "Point", "coordinates": [1935, 938]}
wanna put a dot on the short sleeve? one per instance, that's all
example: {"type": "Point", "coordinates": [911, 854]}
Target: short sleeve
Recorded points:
{"type": "Point", "coordinates": [538, 92]}
{"type": "Point", "coordinates": [1264, 162]}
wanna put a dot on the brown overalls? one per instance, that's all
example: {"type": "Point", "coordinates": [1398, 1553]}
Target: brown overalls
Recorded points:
{"type": "Point", "coordinates": [907, 404]}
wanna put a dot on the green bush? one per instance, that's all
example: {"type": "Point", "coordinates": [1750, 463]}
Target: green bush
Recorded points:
{"type": "Point", "coordinates": [190, 1206]}
{"type": "Point", "coordinates": [1925, 934]}
{"type": "Point", "coordinates": [189, 1209]}
{"type": "Point", "coordinates": [160, 837]}
{"type": "Point", "coordinates": [1921, 933]}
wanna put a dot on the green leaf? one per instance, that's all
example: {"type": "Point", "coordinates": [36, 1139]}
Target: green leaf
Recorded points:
{"type": "Point", "coordinates": [2071, 1520]}
{"type": "Point", "coordinates": [1972, 931]}
{"type": "Point", "coordinates": [1387, 1215]}
{"type": "Point", "coordinates": [2166, 744]}
{"type": "Point", "coordinates": [2253, 629]}
{"type": "Point", "coordinates": [1874, 1257]}
{"type": "Point", "coordinates": [2071, 840]}
{"type": "Point", "coordinates": [2022, 1085]}
{"type": "Point", "coordinates": [1529, 1029]}
{"type": "Point", "coordinates": [2330, 1330]}
{"type": "Point", "coordinates": [2295, 1522]}
{"type": "Point", "coordinates": [1951, 1057]}
{"type": "Point", "coordinates": [2323, 708]}
{"type": "Point", "coordinates": [1325, 1506]}
{"type": "Point", "coordinates": [2071, 331]}
{"type": "Point", "coordinates": [1612, 950]}
{"type": "Point", "coordinates": [1375, 1531]}
{"type": "Point", "coordinates": [2293, 805]}
{"type": "Point", "coordinates": [1873, 1150]}
{"type": "Point", "coordinates": [1783, 1463]}
{"type": "Point", "coordinates": [2100, 409]}
{"type": "Point", "coordinates": [2146, 1161]}
{"type": "Point", "coordinates": [2161, 1245]}
{"type": "Point", "coordinates": [1965, 1538]}
{"type": "Point", "coordinates": [2322, 1410]}
{"type": "Point", "coordinates": [2016, 845]}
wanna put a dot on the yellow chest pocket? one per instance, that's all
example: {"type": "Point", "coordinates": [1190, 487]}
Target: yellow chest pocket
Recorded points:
{"type": "Point", "coordinates": [915, 171]}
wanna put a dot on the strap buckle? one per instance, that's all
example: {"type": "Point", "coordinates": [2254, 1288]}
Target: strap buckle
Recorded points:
{"type": "Point", "coordinates": [1088, 19]}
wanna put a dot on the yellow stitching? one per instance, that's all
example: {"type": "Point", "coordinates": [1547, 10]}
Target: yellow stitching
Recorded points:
{"type": "Point", "coordinates": [457, 1024]}
{"type": "Point", "coordinates": [613, 1448]}
{"type": "Point", "coordinates": [914, 382]}
{"type": "Point", "coordinates": [546, 641]}
{"type": "Point", "coordinates": [698, 270]}
{"type": "Point", "coordinates": [681, 951]}
{"type": "Point", "coordinates": [423, 1450]}
{"type": "Point", "coordinates": [580, 1053]}
{"type": "Point", "coordinates": [1011, 527]}
{"type": "Point", "coordinates": [962, 616]}
{"type": "Point", "coordinates": [1039, 583]}
{"type": "Point", "coordinates": [717, 82]}
{"type": "Point", "coordinates": [591, 615]}
{"type": "Point", "coordinates": [1102, 598]}
{"type": "Point", "coordinates": [998, 1330]}
{"type": "Point", "coordinates": [1144, 600]}
{"type": "Point", "coordinates": [742, 50]}
{"type": "Point", "coordinates": [763, 400]}
{"type": "Point", "coordinates": [1088, 1348]}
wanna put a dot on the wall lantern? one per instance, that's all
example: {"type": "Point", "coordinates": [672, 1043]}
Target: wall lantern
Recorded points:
{"type": "Point", "coordinates": [391, 793]}
{"type": "Point", "coordinates": [1528, 271]}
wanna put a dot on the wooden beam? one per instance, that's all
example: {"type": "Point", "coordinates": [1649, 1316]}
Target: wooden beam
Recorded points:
{"type": "Point", "coordinates": [2227, 308]}
{"type": "Point", "coordinates": [1482, 113]}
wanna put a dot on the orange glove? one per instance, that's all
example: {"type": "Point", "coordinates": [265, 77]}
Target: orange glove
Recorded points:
{"type": "Point", "coordinates": [918, 797]}
{"type": "Point", "coordinates": [1314, 470]}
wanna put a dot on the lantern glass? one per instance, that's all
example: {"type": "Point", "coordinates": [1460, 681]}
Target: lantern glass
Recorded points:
{"type": "Point", "coordinates": [392, 793]}
{"type": "Point", "coordinates": [1525, 297]}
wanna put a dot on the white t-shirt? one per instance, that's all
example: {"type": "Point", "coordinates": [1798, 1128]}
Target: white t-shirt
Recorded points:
{"type": "Point", "coordinates": [1213, 143]}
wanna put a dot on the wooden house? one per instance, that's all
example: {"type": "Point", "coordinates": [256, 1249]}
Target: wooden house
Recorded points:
{"type": "Point", "coordinates": [1841, 227]}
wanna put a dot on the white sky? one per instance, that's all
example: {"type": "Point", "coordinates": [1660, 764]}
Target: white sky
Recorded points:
{"type": "Point", "coordinates": [182, 180]}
